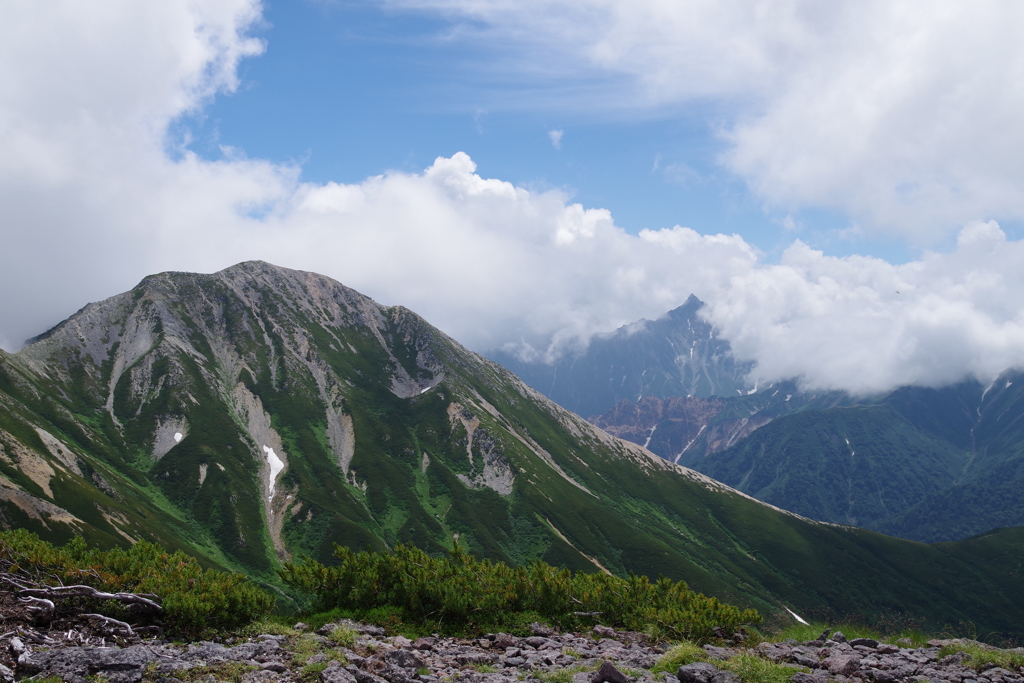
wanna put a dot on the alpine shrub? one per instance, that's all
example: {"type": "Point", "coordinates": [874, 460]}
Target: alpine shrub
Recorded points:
{"type": "Point", "coordinates": [195, 600]}
{"type": "Point", "coordinates": [467, 594]}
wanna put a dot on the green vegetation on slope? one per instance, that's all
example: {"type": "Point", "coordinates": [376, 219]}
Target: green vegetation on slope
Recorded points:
{"type": "Point", "coordinates": [466, 594]}
{"type": "Point", "coordinates": [195, 601]}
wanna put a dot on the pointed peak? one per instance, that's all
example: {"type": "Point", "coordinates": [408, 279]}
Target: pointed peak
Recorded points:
{"type": "Point", "coordinates": [688, 309]}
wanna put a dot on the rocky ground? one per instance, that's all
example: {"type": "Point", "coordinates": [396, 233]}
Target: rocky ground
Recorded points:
{"type": "Point", "coordinates": [357, 653]}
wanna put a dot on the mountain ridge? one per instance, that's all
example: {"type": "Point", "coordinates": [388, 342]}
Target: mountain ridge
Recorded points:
{"type": "Point", "coordinates": [678, 354]}
{"type": "Point", "coordinates": [166, 407]}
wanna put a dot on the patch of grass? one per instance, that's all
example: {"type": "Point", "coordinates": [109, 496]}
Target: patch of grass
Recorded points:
{"type": "Point", "coordinates": [563, 675]}
{"type": "Point", "coordinates": [269, 626]}
{"type": "Point", "coordinates": [484, 668]}
{"type": "Point", "coordinates": [344, 636]}
{"type": "Point", "coordinates": [312, 671]}
{"type": "Point", "coordinates": [805, 632]}
{"type": "Point", "coordinates": [980, 657]}
{"type": "Point", "coordinates": [678, 655]}
{"type": "Point", "coordinates": [304, 647]}
{"type": "Point", "coordinates": [231, 672]}
{"type": "Point", "coordinates": [752, 669]}
{"type": "Point", "coordinates": [749, 667]}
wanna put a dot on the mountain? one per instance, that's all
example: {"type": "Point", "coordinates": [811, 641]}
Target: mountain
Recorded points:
{"type": "Point", "coordinates": [686, 429]}
{"type": "Point", "coordinates": [261, 413]}
{"type": "Point", "coordinates": [675, 355]}
{"type": "Point", "coordinates": [926, 464]}
{"type": "Point", "coordinates": [923, 464]}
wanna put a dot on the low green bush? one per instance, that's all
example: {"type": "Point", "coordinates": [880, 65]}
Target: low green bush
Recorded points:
{"type": "Point", "coordinates": [748, 666]}
{"type": "Point", "coordinates": [195, 601]}
{"type": "Point", "coordinates": [981, 657]}
{"type": "Point", "coordinates": [461, 594]}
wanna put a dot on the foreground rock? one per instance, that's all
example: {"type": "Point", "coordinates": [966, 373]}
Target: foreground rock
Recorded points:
{"type": "Point", "coordinates": [356, 653]}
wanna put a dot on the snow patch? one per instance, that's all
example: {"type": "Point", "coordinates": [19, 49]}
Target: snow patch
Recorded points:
{"type": "Point", "coordinates": [170, 430]}
{"type": "Point", "coordinates": [648, 442]}
{"type": "Point", "coordinates": [276, 465]}
{"type": "Point", "coordinates": [795, 616]}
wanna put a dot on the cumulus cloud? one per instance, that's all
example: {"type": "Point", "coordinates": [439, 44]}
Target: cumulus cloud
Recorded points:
{"type": "Point", "coordinates": [95, 196]}
{"type": "Point", "coordinates": [902, 114]}
{"type": "Point", "coordinates": [556, 138]}
{"type": "Point", "coordinates": [864, 325]}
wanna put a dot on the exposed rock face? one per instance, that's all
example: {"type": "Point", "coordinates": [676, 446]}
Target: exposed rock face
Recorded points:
{"type": "Point", "coordinates": [666, 426]}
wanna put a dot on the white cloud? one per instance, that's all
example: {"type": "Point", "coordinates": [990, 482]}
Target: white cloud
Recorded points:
{"type": "Point", "coordinates": [93, 201]}
{"type": "Point", "coordinates": [903, 114]}
{"type": "Point", "coordinates": [556, 138]}
{"type": "Point", "coordinates": [865, 325]}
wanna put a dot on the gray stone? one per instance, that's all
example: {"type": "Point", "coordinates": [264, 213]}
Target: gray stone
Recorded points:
{"type": "Point", "coordinates": [6, 675]}
{"type": "Point", "coordinates": [718, 652]}
{"type": "Point", "coordinates": [838, 637]}
{"type": "Point", "coordinates": [336, 675]}
{"type": "Point", "coordinates": [802, 677]}
{"type": "Point", "coordinates": [539, 629]}
{"type": "Point", "coordinates": [608, 674]}
{"type": "Point", "coordinates": [805, 660]}
{"type": "Point", "coordinates": [278, 667]}
{"type": "Point", "coordinates": [76, 663]}
{"type": "Point", "coordinates": [866, 642]}
{"type": "Point", "coordinates": [362, 676]}
{"type": "Point", "coordinates": [504, 641]}
{"type": "Point", "coordinates": [725, 677]}
{"type": "Point", "coordinates": [404, 659]}
{"type": "Point", "coordinates": [698, 672]}
{"type": "Point", "coordinates": [842, 664]}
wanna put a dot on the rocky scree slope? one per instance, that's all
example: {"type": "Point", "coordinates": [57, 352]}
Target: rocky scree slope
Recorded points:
{"type": "Point", "coordinates": [350, 652]}
{"type": "Point", "coordinates": [259, 414]}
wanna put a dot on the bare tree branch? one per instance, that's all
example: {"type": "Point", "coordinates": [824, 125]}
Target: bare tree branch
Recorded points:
{"type": "Point", "coordinates": [59, 592]}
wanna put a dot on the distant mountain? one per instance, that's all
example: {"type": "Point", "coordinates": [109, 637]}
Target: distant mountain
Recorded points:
{"type": "Point", "coordinates": [923, 464]}
{"type": "Point", "coordinates": [262, 413]}
{"type": "Point", "coordinates": [676, 355]}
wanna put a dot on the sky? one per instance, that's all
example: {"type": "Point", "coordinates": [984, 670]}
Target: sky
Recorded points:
{"type": "Point", "coordinates": [841, 183]}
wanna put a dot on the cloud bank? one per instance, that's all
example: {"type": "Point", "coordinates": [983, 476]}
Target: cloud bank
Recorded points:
{"type": "Point", "coordinates": [902, 114]}
{"type": "Point", "coordinates": [96, 194]}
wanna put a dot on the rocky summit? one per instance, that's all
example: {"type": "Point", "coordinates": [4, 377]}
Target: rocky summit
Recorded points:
{"type": "Point", "coordinates": [349, 652]}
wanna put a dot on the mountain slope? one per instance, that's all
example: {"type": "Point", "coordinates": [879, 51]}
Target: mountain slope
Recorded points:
{"type": "Point", "coordinates": [676, 355]}
{"type": "Point", "coordinates": [261, 413]}
{"type": "Point", "coordinates": [924, 464]}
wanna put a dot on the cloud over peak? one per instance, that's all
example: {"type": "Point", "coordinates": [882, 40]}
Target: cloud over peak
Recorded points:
{"type": "Point", "coordinates": [92, 201]}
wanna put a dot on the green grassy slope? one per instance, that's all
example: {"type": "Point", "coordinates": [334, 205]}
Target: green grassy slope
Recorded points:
{"type": "Point", "coordinates": [920, 463]}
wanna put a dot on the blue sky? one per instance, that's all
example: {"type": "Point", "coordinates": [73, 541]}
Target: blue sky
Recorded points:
{"type": "Point", "coordinates": [840, 182]}
{"type": "Point", "coordinates": [349, 90]}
